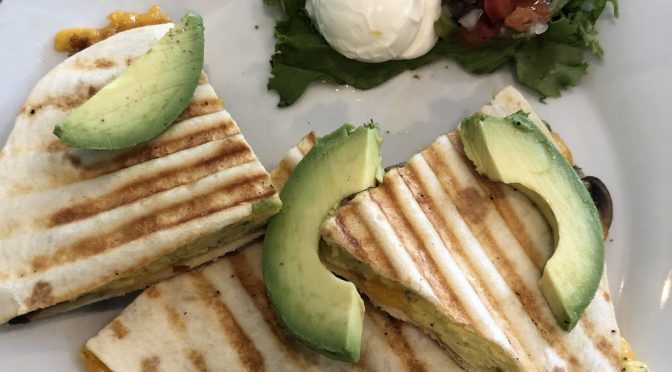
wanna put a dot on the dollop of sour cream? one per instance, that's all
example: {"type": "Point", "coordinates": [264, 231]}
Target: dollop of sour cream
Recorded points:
{"type": "Point", "coordinates": [377, 30]}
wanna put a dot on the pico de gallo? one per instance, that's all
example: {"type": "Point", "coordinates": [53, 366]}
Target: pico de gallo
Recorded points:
{"type": "Point", "coordinates": [546, 42]}
{"type": "Point", "coordinates": [482, 20]}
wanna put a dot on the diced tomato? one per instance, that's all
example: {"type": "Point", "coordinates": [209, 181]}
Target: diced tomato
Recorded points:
{"type": "Point", "coordinates": [542, 7]}
{"type": "Point", "coordinates": [519, 15]}
{"type": "Point", "coordinates": [527, 13]}
{"type": "Point", "coordinates": [481, 33]}
{"type": "Point", "coordinates": [497, 10]}
{"type": "Point", "coordinates": [522, 18]}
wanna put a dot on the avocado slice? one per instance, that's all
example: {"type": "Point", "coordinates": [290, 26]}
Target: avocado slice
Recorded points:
{"type": "Point", "coordinates": [318, 308]}
{"type": "Point", "coordinates": [513, 150]}
{"type": "Point", "coordinates": [145, 99]}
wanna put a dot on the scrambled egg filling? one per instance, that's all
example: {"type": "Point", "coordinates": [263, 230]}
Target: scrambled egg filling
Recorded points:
{"type": "Point", "coordinates": [72, 40]}
{"type": "Point", "coordinates": [629, 362]}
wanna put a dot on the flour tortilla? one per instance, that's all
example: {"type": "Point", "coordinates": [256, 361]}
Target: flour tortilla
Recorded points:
{"type": "Point", "coordinates": [77, 225]}
{"type": "Point", "coordinates": [470, 251]}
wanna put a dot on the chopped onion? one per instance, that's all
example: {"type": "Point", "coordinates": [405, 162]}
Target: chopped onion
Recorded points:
{"type": "Point", "coordinates": [470, 19]}
{"type": "Point", "coordinates": [539, 28]}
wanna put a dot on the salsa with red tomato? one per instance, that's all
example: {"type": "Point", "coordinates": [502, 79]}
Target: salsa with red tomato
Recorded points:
{"type": "Point", "coordinates": [482, 20]}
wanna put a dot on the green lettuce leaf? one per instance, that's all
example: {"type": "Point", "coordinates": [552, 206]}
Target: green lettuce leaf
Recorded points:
{"type": "Point", "coordinates": [555, 60]}
{"type": "Point", "coordinates": [549, 66]}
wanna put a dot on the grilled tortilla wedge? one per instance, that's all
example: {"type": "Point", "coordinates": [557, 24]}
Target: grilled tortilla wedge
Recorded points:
{"type": "Point", "coordinates": [77, 226]}
{"type": "Point", "coordinates": [441, 247]}
{"type": "Point", "coordinates": [218, 317]}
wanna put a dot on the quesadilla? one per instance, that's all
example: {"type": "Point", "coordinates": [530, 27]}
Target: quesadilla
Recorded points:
{"type": "Point", "coordinates": [218, 317]}
{"type": "Point", "coordinates": [77, 226]}
{"type": "Point", "coordinates": [443, 248]}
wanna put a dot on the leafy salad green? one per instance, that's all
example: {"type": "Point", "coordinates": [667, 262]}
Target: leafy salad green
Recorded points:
{"type": "Point", "coordinates": [547, 63]}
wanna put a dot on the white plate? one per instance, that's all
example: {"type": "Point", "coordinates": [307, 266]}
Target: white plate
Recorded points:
{"type": "Point", "coordinates": [614, 122]}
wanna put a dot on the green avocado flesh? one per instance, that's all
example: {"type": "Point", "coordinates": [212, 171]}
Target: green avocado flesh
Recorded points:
{"type": "Point", "coordinates": [319, 309]}
{"type": "Point", "coordinates": [513, 150]}
{"type": "Point", "coordinates": [145, 99]}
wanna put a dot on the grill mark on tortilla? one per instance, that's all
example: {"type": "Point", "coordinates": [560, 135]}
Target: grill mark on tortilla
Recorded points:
{"type": "Point", "coordinates": [152, 292]}
{"type": "Point", "coordinates": [601, 343]}
{"type": "Point", "coordinates": [398, 343]}
{"type": "Point", "coordinates": [201, 106]}
{"type": "Point", "coordinates": [515, 224]}
{"type": "Point", "coordinates": [281, 173]}
{"type": "Point", "coordinates": [103, 63]}
{"type": "Point", "coordinates": [41, 295]}
{"type": "Point", "coordinates": [150, 364]}
{"type": "Point", "coordinates": [92, 90]}
{"type": "Point", "coordinates": [80, 94]}
{"type": "Point", "coordinates": [503, 207]}
{"type": "Point", "coordinates": [229, 155]}
{"type": "Point", "coordinates": [530, 301]}
{"type": "Point", "coordinates": [606, 348]}
{"type": "Point", "coordinates": [284, 169]}
{"type": "Point", "coordinates": [415, 181]}
{"type": "Point", "coordinates": [246, 189]}
{"type": "Point", "coordinates": [457, 251]}
{"type": "Point", "coordinates": [377, 253]}
{"type": "Point", "coordinates": [58, 146]}
{"type": "Point", "coordinates": [393, 209]}
{"type": "Point", "coordinates": [197, 360]}
{"type": "Point", "coordinates": [118, 329]}
{"type": "Point", "coordinates": [250, 357]}
{"type": "Point", "coordinates": [161, 147]}
{"type": "Point", "coordinates": [256, 290]}
{"type": "Point", "coordinates": [93, 64]}
{"type": "Point", "coordinates": [352, 241]}
{"type": "Point", "coordinates": [307, 143]}
{"type": "Point", "coordinates": [175, 320]}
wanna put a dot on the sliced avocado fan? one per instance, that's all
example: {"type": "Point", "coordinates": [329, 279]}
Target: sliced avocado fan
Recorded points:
{"type": "Point", "coordinates": [145, 99]}
{"type": "Point", "coordinates": [319, 309]}
{"type": "Point", "coordinates": [513, 150]}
